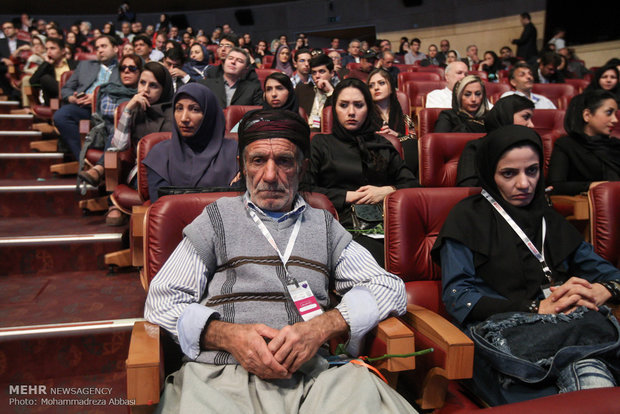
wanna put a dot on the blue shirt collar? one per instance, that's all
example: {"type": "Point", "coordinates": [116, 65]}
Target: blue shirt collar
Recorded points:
{"type": "Point", "coordinates": [299, 206]}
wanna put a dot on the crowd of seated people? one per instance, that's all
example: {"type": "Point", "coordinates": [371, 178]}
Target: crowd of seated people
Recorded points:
{"type": "Point", "coordinates": [182, 81]}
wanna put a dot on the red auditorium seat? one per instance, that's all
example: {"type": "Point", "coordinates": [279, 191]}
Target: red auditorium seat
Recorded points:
{"type": "Point", "coordinates": [403, 100]}
{"type": "Point", "coordinates": [427, 118]}
{"type": "Point", "coordinates": [433, 69]}
{"type": "Point", "coordinates": [439, 155]}
{"type": "Point", "coordinates": [495, 90]}
{"type": "Point", "coordinates": [559, 93]}
{"type": "Point", "coordinates": [353, 66]}
{"type": "Point", "coordinates": [479, 73]}
{"type": "Point", "coordinates": [405, 68]}
{"type": "Point", "coordinates": [579, 84]}
{"type": "Point", "coordinates": [417, 91]}
{"type": "Point", "coordinates": [403, 77]}
{"type": "Point", "coordinates": [267, 61]}
{"type": "Point", "coordinates": [604, 202]}
{"type": "Point", "coordinates": [262, 74]}
{"type": "Point", "coordinates": [234, 113]}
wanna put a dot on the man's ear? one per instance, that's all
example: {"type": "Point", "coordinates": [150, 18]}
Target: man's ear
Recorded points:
{"type": "Point", "coordinates": [512, 83]}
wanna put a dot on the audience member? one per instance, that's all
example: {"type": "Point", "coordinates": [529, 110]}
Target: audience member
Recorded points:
{"type": "Point", "coordinates": [606, 78]}
{"type": "Point", "coordinates": [313, 97]}
{"type": "Point", "coordinates": [230, 88]}
{"type": "Point", "coordinates": [442, 98]}
{"type": "Point", "coordinates": [77, 93]}
{"type": "Point", "coordinates": [587, 154]}
{"type": "Point", "coordinates": [302, 65]}
{"type": "Point", "coordinates": [287, 372]}
{"type": "Point", "coordinates": [546, 70]}
{"type": "Point", "coordinates": [174, 61]}
{"type": "Point", "coordinates": [507, 58]}
{"type": "Point", "coordinates": [511, 110]}
{"type": "Point", "coordinates": [386, 62]}
{"type": "Point", "coordinates": [496, 289]}
{"type": "Point", "coordinates": [526, 44]}
{"type": "Point", "coordinates": [198, 62]}
{"type": "Point", "coordinates": [279, 93]}
{"type": "Point", "coordinates": [557, 41]}
{"type": "Point", "coordinates": [354, 53]}
{"type": "Point", "coordinates": [520, 77]}
{"type": "Point", "coordinates": [282, 60]}
{"type": "Point", "coordinates": [452, 56]}
{"type": "Point", "coordinates": [395, 122]}
{"type": "Point", "coordinates": [334, 44]}
{"type": "Point", "coordinates": [491, 65]}
{"type": "Point", "coordinates": [197, 155]}
{"type": "Point", "coordinates": [353, 165]}
{"type": "Point", "coordinates": [143, 47]}
{"type": "Point", "coordinates": [469, 107]}
{"type": "Point", "coordinates": [339, 71]}
{"type": "Point", "coordinates": [471, 59]}
{"type": "Point", "coordinates": [575, 68]}
{"type": "Point", "coordinates": [432, 58]}
{"type": "Point", "coordinates": [444, 48]}
{"type": "Point", "coordinates": [414, 54]}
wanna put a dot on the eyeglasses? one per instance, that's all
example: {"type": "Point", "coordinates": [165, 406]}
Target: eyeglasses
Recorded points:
{"type": "Point", "coordinates": [132, 68]}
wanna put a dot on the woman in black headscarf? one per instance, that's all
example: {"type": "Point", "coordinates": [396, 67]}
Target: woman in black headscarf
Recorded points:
{"type": "Point", "coordinates": [279, 93]}
{"type": "Point", "coordinates": [198, 63]}
{"type": "Point", "coordinates": [197, 155]}
{"type": "Point", "coordinates": [395, 122]}
{"type": "Point", "coordinates": [150, 110]}
{"type": "Point", "coordinates": [606, 78]}
{"type": "Point", "coordinates": [511, 110]}
{"type": "Point", "coordinates": [587, 154]}
{"type": "Point", "coordinates": [491, 274]}
{"type": "Point", "coordinates": [353, 165]}
{"type": "Point", "coordinates": [469, 106]}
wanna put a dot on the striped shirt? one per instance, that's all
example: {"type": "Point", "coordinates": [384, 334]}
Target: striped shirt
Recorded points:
{"type": "Point", "coordinates": [370, 295]}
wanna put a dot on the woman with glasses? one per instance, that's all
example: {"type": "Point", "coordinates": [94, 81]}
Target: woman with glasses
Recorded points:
{"type": "Point", "coordinates": [110, 96]}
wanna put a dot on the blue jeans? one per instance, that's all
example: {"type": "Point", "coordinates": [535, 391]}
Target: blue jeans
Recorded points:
{"type": "Point", "coordinates": [67, 120]}
{"type": "Point", "coordinates": [584, 375]}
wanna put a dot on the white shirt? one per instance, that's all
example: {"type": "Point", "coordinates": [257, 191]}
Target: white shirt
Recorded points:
{"type": "Point", "coordinates": [439, 98]}
{"type": "Point", "coordinates": [540, 102]}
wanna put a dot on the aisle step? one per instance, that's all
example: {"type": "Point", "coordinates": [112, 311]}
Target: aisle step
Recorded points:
{"type": "Point", "coordinates": [58, 244]}
{"type": "Point", "coordinates": [9, 122]}
{"type": "Point", "coordinates": [18, 141]}
{"type": "Point", "coordinates": [42, 198]}
{"type": "Point", "coordinates": [7, 106]}
{"type": "Point", "coordinates": [28, 166]}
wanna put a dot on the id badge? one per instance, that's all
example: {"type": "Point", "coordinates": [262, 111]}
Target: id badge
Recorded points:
{"type": "Point", "coordinates": [316, 122]}
{"type": "Point", "coordinates": [304, 300]}
{"type": "Point", "coordinates": [546, 290]}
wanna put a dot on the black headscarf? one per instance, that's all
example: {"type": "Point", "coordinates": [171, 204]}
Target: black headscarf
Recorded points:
{"type": "Point", "coordinates": [594, 84]}
{"type": "Point", "coordinates": [196, 69]}
{"type": "Point", "coordinates": [158, 116]}
{"type": "Point", "coordinates": [501, 258]}
{"type": "Point", "coordinates": [367, 141]}
{"type": "Point", "coordinates": [204, 160]}
{"type": "Point", "coordinates": [291, 102]}
{"type": "Point", "coordinates": [396, 119]}
{"type": "Point", "coordinates": [503, 112]}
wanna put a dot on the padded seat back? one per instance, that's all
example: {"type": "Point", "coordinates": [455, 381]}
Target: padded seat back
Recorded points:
{"type": "Point", "coordinates": [403, 100]}
{"type": "Point", "coordinates": [234, 113]}
{"type": "Point", "coordinates": [413, 219]}
{"type": "Point", "coordinates": [418, 76]}
{"type": "Point", "coordinates": [433, 69]}
{"type": "Point", "coordinates": [262, 75]}
{"type": "Point", "coordinates": [144, 146]}
{"type": "Point", "coordinates": [427, 119]}
{"type": "Point", "coordinates": [559, 93]}
{"type": "Point", "coordinates": [605, 220]}
{"type": "Point", "coordinates": [167, 217]}
{"type": "Point", "coordinates": [417, 91]}
{"type": "Point", "coordinates": [495, 90]}
{"type": "Point", "coordinates": [439, 157]}
{"type": "Point", "coordinates": [579, 84]}
{"type": "Point", "coordinates": [267, 61]}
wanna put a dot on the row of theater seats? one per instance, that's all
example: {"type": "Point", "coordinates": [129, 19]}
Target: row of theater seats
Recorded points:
{"type": "Point", "coordinates": [413, 218]}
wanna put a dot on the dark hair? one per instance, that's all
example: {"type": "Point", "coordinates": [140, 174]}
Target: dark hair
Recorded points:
{"type": "Point", "coordinates": [372, 118]}
{"type": "Point", "coordinates": [613, 61]}
{"type": "Point", "coordinates": [550, 57]}
{"type": "Point", "coordinates": [594, 84]}
{"type": "Point", "coordinates": [300, 51]}
{"type": "Point", "coordinates": [574, 123]}
{"type": "Point", "coordinates": [230, 37]}
{"type": "Point", "coordinates": [320, 60]}
{"type": "Point", "coordinates": [526, 15]}
{"type": "Point", "coordinates": [280, 77]}
{"type": "Point", "coordinates": [59, 42]}
{"type": "Point", "coordinates": [144, 38]}
{"type": "Point", "coordinates": [395, 111]}
{"type": "Point", "coordinates": [136, 59]}
{"type": "Point", "coordinates": [112, 39]}
{"type": "Point", "coordinates": [175, 53]}
{"type": "Point", "coordinates": [415, 40]}
{"type": "Point", "coordinates": [518, 65]}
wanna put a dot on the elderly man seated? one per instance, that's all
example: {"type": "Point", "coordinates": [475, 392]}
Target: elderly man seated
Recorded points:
{"type": "Point", "coordinates": [246, 293]}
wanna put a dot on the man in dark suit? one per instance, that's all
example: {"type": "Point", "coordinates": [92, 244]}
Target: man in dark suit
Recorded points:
{"type": "Point", "coordinates": [230, 88]}
{"type": "Point", "coordinates": [48, 73]}
{"type": "Point", "coordinates": [8, 45]}
{"type": "Point", "coordinates": [547, 69]}
{"type": "Point", "coordinates": [527, 42]}
{"type": "Point", "coordinates": [77, 93]}
{"type": "Point", "coordinates": [313, 97]}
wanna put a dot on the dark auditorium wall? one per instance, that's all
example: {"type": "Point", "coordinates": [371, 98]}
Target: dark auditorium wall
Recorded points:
{"type": "Point", "coordinates": [305, 16]}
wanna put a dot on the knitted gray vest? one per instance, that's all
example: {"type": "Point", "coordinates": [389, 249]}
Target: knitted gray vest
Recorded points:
{"type": "Point", "coordinates": [248, 281]}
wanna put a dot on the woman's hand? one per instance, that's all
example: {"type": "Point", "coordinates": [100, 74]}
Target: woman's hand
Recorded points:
{"type": "Point", "coordinates": [387, 130]}
{"type": "Point", "coordinates": [373, 195]}
{"type": "Point", "coordinates": [138, 100]}
{"type": "Point", "coordinates": [573, 293]}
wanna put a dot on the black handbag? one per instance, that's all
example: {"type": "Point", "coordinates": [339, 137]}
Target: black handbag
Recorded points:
{"type": "Point", "coordinates": [366, 216]}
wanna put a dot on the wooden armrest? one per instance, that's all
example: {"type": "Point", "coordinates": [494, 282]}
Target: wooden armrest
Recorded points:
{"type": "Point", "coordinates": [144, 376]}
{"type": "Point", "coordinates": [458, 348]}
{"type": "Point", "coordinates": [579, 204]}
{"type": "Point", "coordinates": [398, 339]}
{"type": "Point", "coordinates": [112, 166]}
{"type": "Point", "coordinates": [138, 214]}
